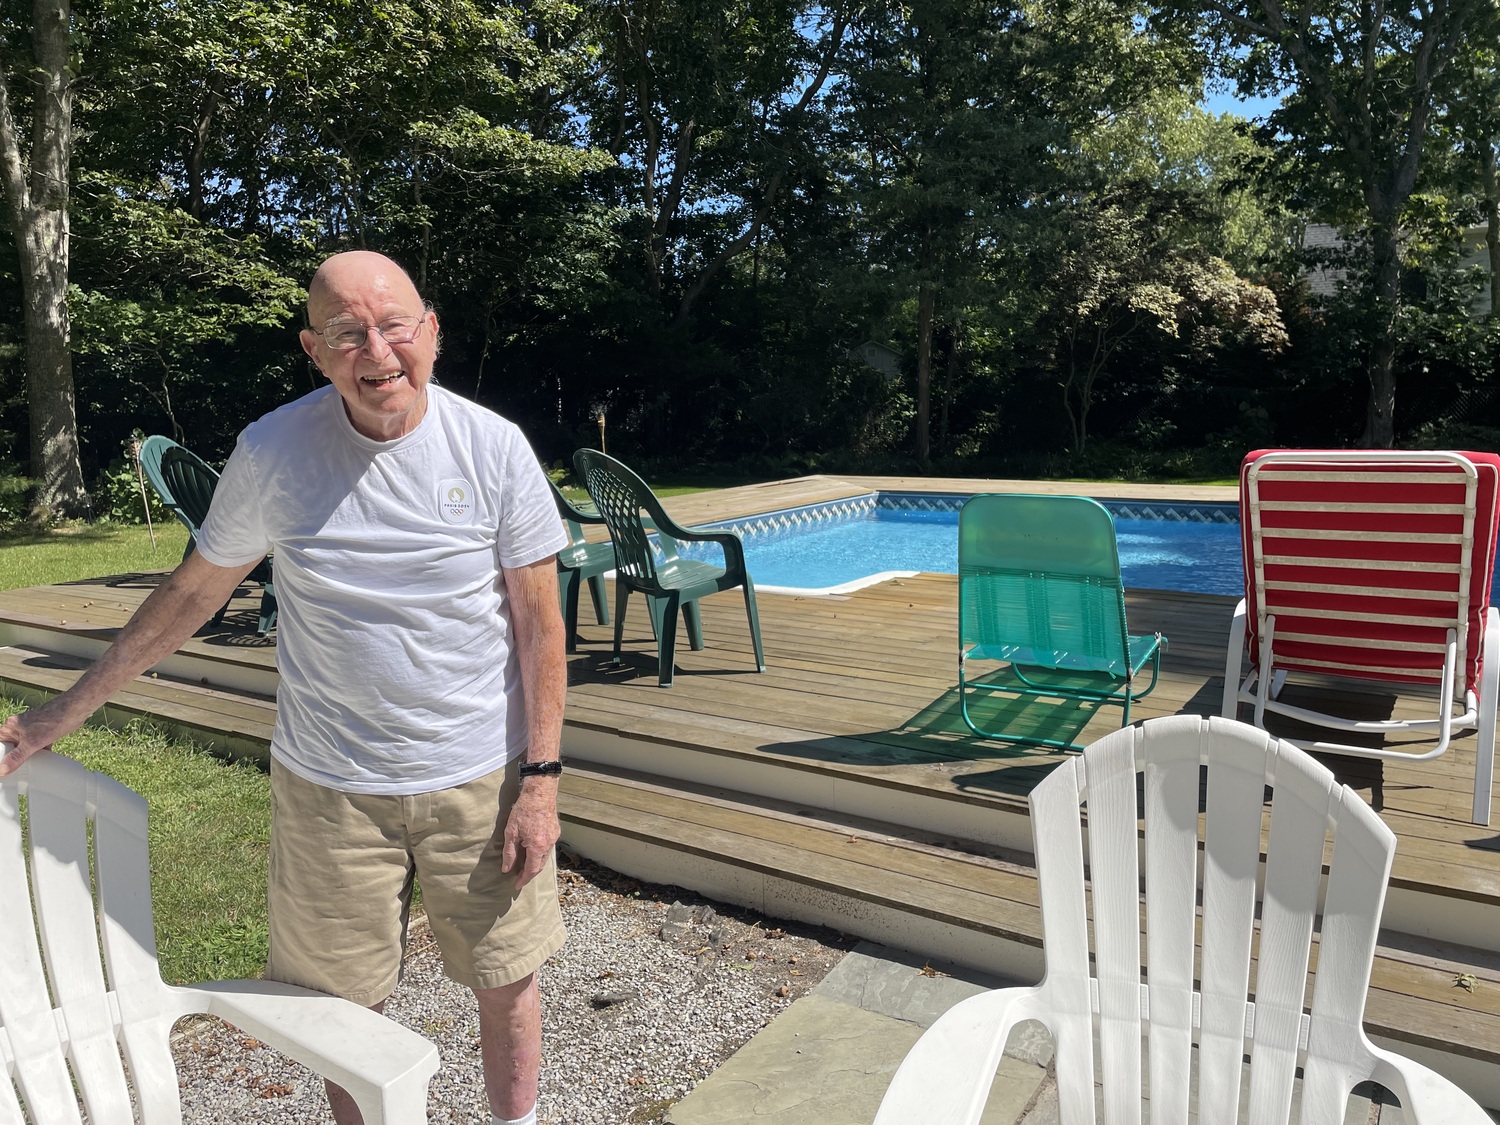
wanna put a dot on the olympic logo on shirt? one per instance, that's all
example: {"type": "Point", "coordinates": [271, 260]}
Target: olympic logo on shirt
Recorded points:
{"type": "Point", "coordinates": [456, 501]}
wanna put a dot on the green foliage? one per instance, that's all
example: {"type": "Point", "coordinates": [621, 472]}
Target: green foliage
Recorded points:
{"type": "Point", "coordinates": [1125, 461]}
{"type": "Point", "coordinates": [691, 215]}
{"type": "Point", "coordinates": [13, 490]}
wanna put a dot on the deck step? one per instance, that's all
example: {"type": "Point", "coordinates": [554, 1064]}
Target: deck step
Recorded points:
{"type": "Point", "coordinates": [235, 723]}
{"type": "Point", "coordinates": [896, 887]}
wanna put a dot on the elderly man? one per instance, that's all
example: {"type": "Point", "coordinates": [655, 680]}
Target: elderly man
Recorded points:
{"type": "Point", "coordinates": [422, 675]}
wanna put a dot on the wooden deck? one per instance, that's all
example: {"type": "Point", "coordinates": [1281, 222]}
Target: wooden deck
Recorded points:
{"type": "Point", "coordinates": [841, 786]}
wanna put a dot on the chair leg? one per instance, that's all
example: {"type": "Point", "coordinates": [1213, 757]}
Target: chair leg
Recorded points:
{"type": "Point", "coordinates": [567, 590]}
{"type": "Point", "coordinates": [622, 597]}
{"type": "Point", "coordinates": [664, 611]}
{"type": "Point", "coordinates": [754, 617]}
{"type": "Point", "coordinates": [694, 622]}
{"type": "Point", "coordinates": [1230, 707]}
{"type": "Point", "coordinates": [1489, 687]}
{"type": "Point", "coordinates": [267, 611]}
{"type": "Point", "coordinates": [601, 599]}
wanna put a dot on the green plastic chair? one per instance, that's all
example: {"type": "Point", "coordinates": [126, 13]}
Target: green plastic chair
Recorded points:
{"type": "Point", "coordinates": [579, 562]}
{"type": "Point", "coordinates": [1039, 589]}
{"type": "Point", "coordinates": [634, 517]}
{"type": "Point", "coordinates": [185, 483]}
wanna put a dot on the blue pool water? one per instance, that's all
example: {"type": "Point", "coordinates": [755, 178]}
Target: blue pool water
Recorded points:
{"type": "Point", "coordinates": [1154, 554]}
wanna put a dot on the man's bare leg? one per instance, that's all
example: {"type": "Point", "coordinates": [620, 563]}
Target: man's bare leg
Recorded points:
{"type": "Point", "coordinates": [345, 1111]}
{"type": "Point", "coordinates": [510, 1043]}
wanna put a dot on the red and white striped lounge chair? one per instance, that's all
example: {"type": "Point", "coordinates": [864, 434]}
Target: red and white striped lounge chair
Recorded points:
{"type": "Point", "coordinates": [1374, 565]}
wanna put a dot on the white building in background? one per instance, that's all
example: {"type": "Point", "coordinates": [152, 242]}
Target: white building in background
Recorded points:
{"type": "Point", "coordinates": [884, 359]}
{"type": "Point", "coordinates": [1476, 253]}
{"type": "Point", "coordinates": [1324, 280]}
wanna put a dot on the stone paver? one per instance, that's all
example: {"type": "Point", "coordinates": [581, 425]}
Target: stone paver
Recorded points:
{"type": "Point", "coordinates": [828, 1058]}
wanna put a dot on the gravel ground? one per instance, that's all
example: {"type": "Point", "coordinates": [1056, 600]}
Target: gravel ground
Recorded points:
{"type": "Point", "coordinates": [655, 988]}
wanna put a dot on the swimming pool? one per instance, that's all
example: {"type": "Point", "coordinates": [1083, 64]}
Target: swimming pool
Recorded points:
{"type": "Point", "coordinates": [846, 544]}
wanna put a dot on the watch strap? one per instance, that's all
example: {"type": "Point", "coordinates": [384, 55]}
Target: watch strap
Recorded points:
{"type": "Point", "coordinates": [541, 769]}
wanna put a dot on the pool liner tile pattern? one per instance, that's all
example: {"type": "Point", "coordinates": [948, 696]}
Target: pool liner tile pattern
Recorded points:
{"type": "Point", "coordinates": [772, 524]}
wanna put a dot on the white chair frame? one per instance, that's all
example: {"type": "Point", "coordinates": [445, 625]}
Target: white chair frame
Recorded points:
{"type": "Point", "coordinates": [90, 992]}
{"type": "Point", "coordinates": [1195, 1035]}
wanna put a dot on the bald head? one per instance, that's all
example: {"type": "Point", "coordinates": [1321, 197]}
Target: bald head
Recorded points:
{"type": "Point", "coordinates": [358, 272]}
{"type": "Point", "coordinates": [383, 380]}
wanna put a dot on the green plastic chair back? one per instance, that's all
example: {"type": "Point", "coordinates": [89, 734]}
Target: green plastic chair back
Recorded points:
{"type": "Point", "coordinates": [185, 482]}
{"type": "Point", "coordinates": [1039, 582]}
{"type": "Point", "coordinates": [152, 451]}
{"type": "Point", "coordinates": [191, 481]}
{"type": "Point", "coordinates": [1039, 590]}
{"type": "Point", "coordinates": [631, 511]}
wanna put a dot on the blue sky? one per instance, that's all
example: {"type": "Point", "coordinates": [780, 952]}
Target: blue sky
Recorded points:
{"type": "Point", "coordinates": [1225, 101]}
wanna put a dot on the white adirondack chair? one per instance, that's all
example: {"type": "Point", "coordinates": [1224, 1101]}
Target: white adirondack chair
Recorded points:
{"type": "Point", "coordinates": [70, 1010]}
{"type": "Point", "coordinates": [1209, 1028]}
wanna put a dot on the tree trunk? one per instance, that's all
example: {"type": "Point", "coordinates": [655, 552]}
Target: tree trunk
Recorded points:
{"type": "Point", "coordinates": [49, 367]}
{"type": "Point", "coordinates": [213, 91]}
{"type": "Point", "coordinates": [1380, 416]}
{"type": "Point", "coordinates": [953, 371]}
{"type": "Point", "coordinates": [926, 300]}
{"type": "Point", "coordinates": [36, 192]}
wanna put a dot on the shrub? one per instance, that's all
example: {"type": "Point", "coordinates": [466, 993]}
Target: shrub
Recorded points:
{"type": "Point", "coordinates": [117, 493]}
{"type": "Point", "coordinates": [14, 485]}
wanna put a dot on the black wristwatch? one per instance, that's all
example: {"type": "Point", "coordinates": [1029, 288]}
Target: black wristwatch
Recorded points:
{"type": "Point", "coordinates": [540, 769]}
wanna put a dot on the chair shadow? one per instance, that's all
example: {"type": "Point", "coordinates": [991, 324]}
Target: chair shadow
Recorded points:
{"type": "Point", "coordinates": [936, 736]}
{"type": "Point", "coordinates": [139, 580]}
{"type": "Point", "coordinates": [594, 663]}
{"type": "Point", "coordinates": [1366, 776]}
{"type": "Point", "coordinates": [237, 630]}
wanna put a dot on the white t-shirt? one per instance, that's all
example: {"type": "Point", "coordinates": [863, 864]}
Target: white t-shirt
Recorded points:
{"type": "Point", "coordinates": [393, 638]}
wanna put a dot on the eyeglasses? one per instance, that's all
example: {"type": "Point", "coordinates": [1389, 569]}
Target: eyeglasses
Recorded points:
{"type": "Point", "coordinates": [345, 337]}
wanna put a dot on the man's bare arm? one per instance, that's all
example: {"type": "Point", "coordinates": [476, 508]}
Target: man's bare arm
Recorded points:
{"type": "Point", "coordinates": [173, 613]}
{"type": "Point", "coordinates": [537, 625]}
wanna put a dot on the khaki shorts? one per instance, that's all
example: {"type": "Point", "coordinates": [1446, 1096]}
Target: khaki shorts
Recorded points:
{"type": "Point", "coordinates": [342, 866]}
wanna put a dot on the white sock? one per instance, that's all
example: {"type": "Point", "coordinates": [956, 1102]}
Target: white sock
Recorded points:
{"type": "Point", "coordinates": [529, 1119]}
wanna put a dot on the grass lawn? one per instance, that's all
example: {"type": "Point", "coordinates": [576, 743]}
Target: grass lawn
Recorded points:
{"type": "Point", "coordinates": [69, 553]}
{"type": "Point", "coordinates": [210, 823]}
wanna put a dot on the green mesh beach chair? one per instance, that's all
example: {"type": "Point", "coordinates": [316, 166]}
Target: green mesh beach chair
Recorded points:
{"type": "Point", "coordinates": [1039, 590]}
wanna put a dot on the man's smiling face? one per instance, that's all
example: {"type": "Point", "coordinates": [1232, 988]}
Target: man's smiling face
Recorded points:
{"type": "Point", "coordinates": [383, 385]}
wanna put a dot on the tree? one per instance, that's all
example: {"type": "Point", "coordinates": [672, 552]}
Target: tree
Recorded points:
{"type": "Point", "coordinates": [1129, 266]}
{"type": "Point", "coordinates": [1169, 142]}
{"type": "Point", "coordinates": [1365, 81]}
{"type": "Point", "coordinates": [36, 193]}
{"type": "Point", "coordinates": [946, 137]}
{"type": "Point", "coordinates": [707, 106]}
{"type": "Point", "coordinates": [234, 143]}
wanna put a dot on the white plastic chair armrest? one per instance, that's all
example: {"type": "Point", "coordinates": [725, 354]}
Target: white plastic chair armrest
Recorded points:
{"type": "Point", "coordinates": [384, 1066]}
{"type": "Point", "coordinates": [947, 1074]}
{"type": "Point", "coordinates": [1425, 1095]}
